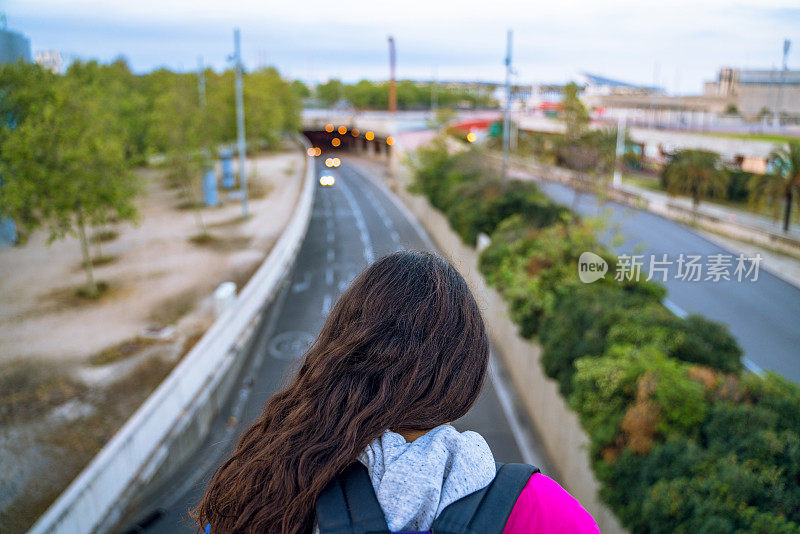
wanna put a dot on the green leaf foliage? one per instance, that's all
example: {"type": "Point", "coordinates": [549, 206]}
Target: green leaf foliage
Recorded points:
{"type": "Point", "coordinates": [682, 439]}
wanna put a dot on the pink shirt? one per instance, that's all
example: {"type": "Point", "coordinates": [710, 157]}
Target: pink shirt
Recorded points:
{"type": "Point", "coordinates": [544, 506]}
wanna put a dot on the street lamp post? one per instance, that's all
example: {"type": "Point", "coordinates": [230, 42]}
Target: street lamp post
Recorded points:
{"type": "Point", "coordinates": [776, 116]}
{"type": "Point", "coordinates": [242, 146]}
{"type": "Point", "coordinates": [617, 180]}
{"type": "Point", "coordinates": [507, 114]}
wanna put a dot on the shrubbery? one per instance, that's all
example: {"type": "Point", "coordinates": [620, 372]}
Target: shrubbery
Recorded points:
{"type": "Point", "coordinates": [681, 439]}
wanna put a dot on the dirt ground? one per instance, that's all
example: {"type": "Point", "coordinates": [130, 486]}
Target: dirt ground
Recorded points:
{"type": "Point", "coordinates": [73, 369]}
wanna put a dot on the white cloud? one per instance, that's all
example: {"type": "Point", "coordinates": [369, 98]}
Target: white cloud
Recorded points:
{"type": "Point", "coordinates": [687, 40]}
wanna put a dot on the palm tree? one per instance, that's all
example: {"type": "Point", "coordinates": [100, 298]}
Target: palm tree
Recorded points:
{"type": "Point", "coordinates": [780, 184]}
{"type": "Point", "coordinates": [695, 173]}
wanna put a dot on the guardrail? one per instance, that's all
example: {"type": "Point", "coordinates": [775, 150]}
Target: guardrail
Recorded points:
{"type": "Point", "coordinates": [137, 450]}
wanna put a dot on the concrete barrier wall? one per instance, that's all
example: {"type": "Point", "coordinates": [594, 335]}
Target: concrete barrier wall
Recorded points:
{"type": "Point", "coordinates": [564, 439]}
{"type": "Point", "coordinates": [175, 418]}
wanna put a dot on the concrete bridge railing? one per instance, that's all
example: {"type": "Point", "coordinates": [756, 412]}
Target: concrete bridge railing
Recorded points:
{"type": "Point", "coordinates": [185, 403]}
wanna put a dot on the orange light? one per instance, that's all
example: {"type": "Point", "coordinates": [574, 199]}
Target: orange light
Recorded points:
{"type": "Point", "coordinates": [329, 162]}
{"type": "Point", "coordinates": [390, 140]}
{"type": "Point", "coordinates": [317, 151]}
{"type": "Point", "coordinates": [336, 162]}
{"type": "Point", "coordinates": [311, 152]}
{"type": "Point", "coordinates": [355, 132]}
{"type": "Point", "coordinates": [369, 136]}
{"type": "Point", "coordinates": [342, 130]}
{"type": "Point", "coordinates": [329, 127]}
{"type": "Point", "coordinates": [336, 141]}
{"type": "Point", "coordinates": [471, 137]}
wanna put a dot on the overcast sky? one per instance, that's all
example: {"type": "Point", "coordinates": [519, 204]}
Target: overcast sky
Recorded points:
{"type": "Point", "coordinates": [676, 43]}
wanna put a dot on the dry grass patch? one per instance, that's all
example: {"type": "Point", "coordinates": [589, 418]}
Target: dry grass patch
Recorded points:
{"type": "Point", "coordinates": [70, 446]}
{"type": "Point", "coordinates": [122, 351]}
{"type": "Point", "coordinates": [104, 236]}
{"type": "Point", "coordinates": [221, 243]}
{"type": "Point", "coordinates": [173, 308]}
{"type": "Point", "coordinates": [64, 298]}
{"type": "Point", "coordinates": [30, 388]}
{"type": "Point", "coordinates": [258, 189]}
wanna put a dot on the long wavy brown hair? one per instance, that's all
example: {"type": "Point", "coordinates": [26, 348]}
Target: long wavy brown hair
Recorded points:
{"type": "Point", "coordinates": [404, 348]}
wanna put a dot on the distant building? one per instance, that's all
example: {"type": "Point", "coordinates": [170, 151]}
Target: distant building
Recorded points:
{"type": "Point", "coordinates": [596, 85]}
{"type": "Point", "coordinates": [736, 94]}
{"type": "Point", "coordinates": [758, 93]}
{"type": "Point", "coordinates": [50, 60]}
{"type": "Point", "coordinates": [14, 47]}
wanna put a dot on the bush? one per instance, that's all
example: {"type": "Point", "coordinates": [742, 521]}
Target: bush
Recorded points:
{"type": "Point", "coordinates": [680, 440]}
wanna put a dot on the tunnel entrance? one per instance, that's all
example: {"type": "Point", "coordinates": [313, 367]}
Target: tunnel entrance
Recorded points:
{"type": "Point", "coordinates": [340, 137]}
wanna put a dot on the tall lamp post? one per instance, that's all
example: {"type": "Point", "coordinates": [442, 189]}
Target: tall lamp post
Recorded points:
{"type": "Point", "coordinates": [507, 114]}
{"type": "Point", "coordinates": [776, 116]}
{"type": "Point", "coordinates": [242, 145]}
{"type": "Point", "coordinates": [617, 180]}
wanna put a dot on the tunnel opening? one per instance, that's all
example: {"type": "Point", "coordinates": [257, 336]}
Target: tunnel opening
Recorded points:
{"type": "Point", "coordinates": [334, 138]}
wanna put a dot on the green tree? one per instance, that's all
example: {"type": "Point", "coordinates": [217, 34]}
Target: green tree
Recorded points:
{"type": "Point", "coordinates": [695, 173]}
{"type": "Point", "coordinates": [782, 184]}
{"type": "Point", "coordinates": [24, 89]}
{"type": "Point", "coordinates": [330, 92]}
{"type": "Point", "coordinates": [271, 106]}
{"type": "Point", "coordinates": [64, 168]}
{"type": "Point", "coordinates": [576, 118]}
{"type": "Point", "coordinates": [300, 89]}
{"type": "Point", "coordinates": [177, 129]}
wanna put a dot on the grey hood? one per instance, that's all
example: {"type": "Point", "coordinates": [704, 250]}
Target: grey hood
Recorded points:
{"type": "Point", "coordinates": [415, 481]}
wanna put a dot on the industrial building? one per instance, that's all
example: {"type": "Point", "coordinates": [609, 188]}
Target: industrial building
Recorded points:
{"type": "Point", "coordinates": [735, 95]}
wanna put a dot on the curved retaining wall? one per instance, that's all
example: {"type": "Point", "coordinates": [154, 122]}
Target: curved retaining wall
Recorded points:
{"type": "Point", "coordinates": [565, 441]}
{"type": "Point", "coordinates": [178, 414]}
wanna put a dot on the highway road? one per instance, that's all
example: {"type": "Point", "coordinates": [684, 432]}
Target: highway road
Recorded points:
{"type": "Point", "coordinates": [763, 315]}
{"type": "Point", "coordinates": [354, 222]}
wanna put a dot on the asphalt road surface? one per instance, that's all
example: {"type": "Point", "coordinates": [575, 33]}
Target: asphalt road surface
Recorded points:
{"type": "Point", "coordinates": [353, 222]}
{"type": "Point", "coordinates": [762, 315]}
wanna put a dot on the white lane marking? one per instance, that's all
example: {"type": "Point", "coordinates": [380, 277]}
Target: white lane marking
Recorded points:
{"type": "Point", "coordinates": [330, 237]}
{"type": "Point", "coordinates": [752, 366]}
{"type": "Point", "coordinates": [330, 254]}
{"type": "Point", "coordinates": [674, 308]}
{"type": "Point", "coordinates": [379, 209]}
{"type": "Point", "coordinates": [395, 236]}
{"type": "Point", "coordinates": [507, 404]}
{"type": "Point", "coordinates": [326, 305]}
{"type": "Point", "coordinates": [749, 364]}
{"type": "Point", "coordinates": [299, 287]}
{"type": "Point", "coordinates": [406, 213]}
{"type": "Point", "coordinates": [329, 276]}
{"type": "Point", "coordinates": [369, 254]}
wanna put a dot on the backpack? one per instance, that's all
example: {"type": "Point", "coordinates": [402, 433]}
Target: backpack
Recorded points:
{"type": "Point", "coordinates": [348, 504]}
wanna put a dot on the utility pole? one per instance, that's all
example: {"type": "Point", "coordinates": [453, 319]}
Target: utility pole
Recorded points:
{"type": "Point", "coordinates": [776, 116]}
{"type": "Point", "coordinates": [201, 82]}
{"type": "Point", "coordinates": [617, 180]}
{"type": "Point", "coordinates": [392, 80]}
{"type": "Point", "coordinates": [434, 93]}
{"type": "Point", "coordinates": [242, 147]}
{"type": "Point", "coordinates": [507, 114]}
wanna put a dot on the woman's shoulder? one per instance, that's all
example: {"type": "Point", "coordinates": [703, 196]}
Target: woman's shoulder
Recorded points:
{"type": "Point", "coordinates": [544, 506]}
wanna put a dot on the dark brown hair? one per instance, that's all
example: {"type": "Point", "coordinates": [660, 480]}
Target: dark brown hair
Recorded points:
{"type": "Point", "coordinates": [404, 348]}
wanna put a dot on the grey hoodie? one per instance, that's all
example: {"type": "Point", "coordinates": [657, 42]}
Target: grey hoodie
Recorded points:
{"type": "Point", "coordinates": [415, 481]}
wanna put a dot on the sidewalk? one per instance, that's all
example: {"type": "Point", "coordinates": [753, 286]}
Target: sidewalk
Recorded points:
{"type": "Point", "coordinates": [733, 215]}
{"type": "Point", "coordinates": [780, 264]}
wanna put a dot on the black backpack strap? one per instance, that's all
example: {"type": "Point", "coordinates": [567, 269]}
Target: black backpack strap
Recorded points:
{"type": "Point", "coordinates": [348, 505]}
{"type": "Point", "coordinates": [486, 511]}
